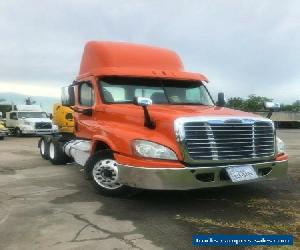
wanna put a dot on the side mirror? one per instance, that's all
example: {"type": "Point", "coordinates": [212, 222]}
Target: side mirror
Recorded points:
{"type": "Point", "coordinates": [68, 96]}
{"type": "Point", "coordinates": [221, 99]}
{"type": "Point", "coordinates": [142, 101]}
{"type": "Point", "coordinates": [272, 106]}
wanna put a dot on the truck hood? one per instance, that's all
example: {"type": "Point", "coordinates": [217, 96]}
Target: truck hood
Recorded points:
{"type": "Point", "coordinates": [125, 123]}
{"type": "Point", "coordinates": [176, 111]}
{"type": "Point", "coordinates": [34, 120]}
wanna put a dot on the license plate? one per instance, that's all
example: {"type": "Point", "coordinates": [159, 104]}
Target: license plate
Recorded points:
{"type": "Point", "coordinates": [241, 173]}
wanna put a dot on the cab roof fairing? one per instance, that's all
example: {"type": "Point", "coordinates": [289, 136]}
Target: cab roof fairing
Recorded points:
{"type": "Point", "coordinates": [132, 60]}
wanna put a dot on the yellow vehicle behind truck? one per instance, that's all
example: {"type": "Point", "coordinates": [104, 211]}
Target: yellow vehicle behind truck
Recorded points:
{"type": "Point", "coordinates": [63, 118]}
{"type": "Point", "coordinates": [3, 130]}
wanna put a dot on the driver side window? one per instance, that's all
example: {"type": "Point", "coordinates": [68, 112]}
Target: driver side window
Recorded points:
{"type": "Point", "coordinates": [13, 116]}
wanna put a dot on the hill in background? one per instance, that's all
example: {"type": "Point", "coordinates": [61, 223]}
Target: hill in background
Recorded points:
{"type": "Point", "coordinates": [15, 98]}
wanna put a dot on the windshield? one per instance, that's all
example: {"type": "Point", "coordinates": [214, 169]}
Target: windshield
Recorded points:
{"type": "Point", "coordinates": [32, 115]}
{"type": "Point", "coordinates": [160, 91]}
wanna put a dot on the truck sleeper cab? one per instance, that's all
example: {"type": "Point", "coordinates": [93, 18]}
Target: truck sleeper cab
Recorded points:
{"type": "Point", "coordinates": [63, 118]}
{"type": "Point", "coordinates": [141, 121]}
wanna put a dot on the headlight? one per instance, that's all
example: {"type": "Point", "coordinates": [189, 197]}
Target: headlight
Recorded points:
{"type": "Point", "coordinates": [280, 147]}
{"type": "Point", "coordinates": [153, 150]}
{"type": "Point", "coordinates": [27, 123]}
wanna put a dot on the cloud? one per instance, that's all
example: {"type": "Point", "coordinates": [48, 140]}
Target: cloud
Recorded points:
{"type": "Point", "coordinates": [30, 89]}
{"type": "Point", "coordinates": [243, 47]}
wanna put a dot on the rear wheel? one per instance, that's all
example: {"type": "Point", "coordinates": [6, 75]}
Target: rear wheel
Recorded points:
{"type": "Point", "coordinates": [2, 138]}
{"type": "Point", "coordinates": [56, 154]}
{"type": "Point", "coordinates": [102, 169]}
{"type": "Point", "coordinates": [44, 148]}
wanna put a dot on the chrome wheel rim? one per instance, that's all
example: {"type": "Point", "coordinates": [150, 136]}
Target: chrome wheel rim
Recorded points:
{"type": "Point", "coordinates": [105, 174]}
{"type": "Point", "coordinates": [42, 147]}
{"type": "Point", "coordinates": [51, 150]}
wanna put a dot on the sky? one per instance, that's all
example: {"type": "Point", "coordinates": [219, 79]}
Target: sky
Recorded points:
{"type": "Point", "coordinates": [243, 47]}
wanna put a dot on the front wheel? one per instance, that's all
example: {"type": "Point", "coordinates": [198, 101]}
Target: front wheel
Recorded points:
{"type": "Point", "coordinates": [102, 169]}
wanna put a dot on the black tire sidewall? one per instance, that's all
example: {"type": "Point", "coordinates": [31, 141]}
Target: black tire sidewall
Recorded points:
{"type": "Point", "coordinates": [60, 157]}
{"type": "Point", "coordinates": [46, 149]}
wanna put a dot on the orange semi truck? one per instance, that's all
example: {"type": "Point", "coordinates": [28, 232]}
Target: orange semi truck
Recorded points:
{"type": "Point", "coordinates": [142, 122]}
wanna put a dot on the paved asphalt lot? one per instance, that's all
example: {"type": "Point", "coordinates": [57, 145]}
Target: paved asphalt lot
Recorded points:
{"type": "Point", "coordinates": [54, 207]}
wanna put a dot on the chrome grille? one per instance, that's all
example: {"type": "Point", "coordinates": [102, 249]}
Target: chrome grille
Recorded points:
{"type": "Point", "coordinates": [43, 125]}
{"type": "Point", "coordinates": [229, 140]}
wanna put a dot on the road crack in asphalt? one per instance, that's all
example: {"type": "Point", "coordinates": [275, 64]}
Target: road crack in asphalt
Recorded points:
{"type": "Point", "coordinates": [78, 233]}
{"type": "Point", "coordinates": [7, 171]}
{"type": "Point", "coordinates": [120, 236]}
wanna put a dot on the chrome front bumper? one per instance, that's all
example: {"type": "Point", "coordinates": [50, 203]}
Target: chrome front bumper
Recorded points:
{"type": "Point", "coordinates": [193, 177]}
{"type": "Point", "coordinates": [39, 132]}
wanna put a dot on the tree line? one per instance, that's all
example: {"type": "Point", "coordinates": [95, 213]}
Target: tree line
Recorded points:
{"type": "Point", "coordinates": [252, 103]}
{"type": "Point", "coordinates": [255, 103]}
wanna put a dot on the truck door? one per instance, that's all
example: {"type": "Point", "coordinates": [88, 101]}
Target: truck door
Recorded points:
{"type": "Point", "coordinates": [12, 119]}
{"type": "Point", "coordinates": [84, 120]}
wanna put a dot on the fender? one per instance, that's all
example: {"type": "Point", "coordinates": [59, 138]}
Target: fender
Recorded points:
{"type": "Point", "coordinates": [122, 144]}
{"type": "Point", "coordinates": [98, 138]}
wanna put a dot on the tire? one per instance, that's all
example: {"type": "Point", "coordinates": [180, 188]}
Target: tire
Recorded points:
{"type": "Point", "coordinates": [44, 148]}
{"type": "Point", "coordinates": [1, 138]}
{"type": "Point", "coordinates": [101, 170]}
{"type": "Point", "coordinates": [18, 132]}
{"type": "Point", "coordinates": [56, 154]}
